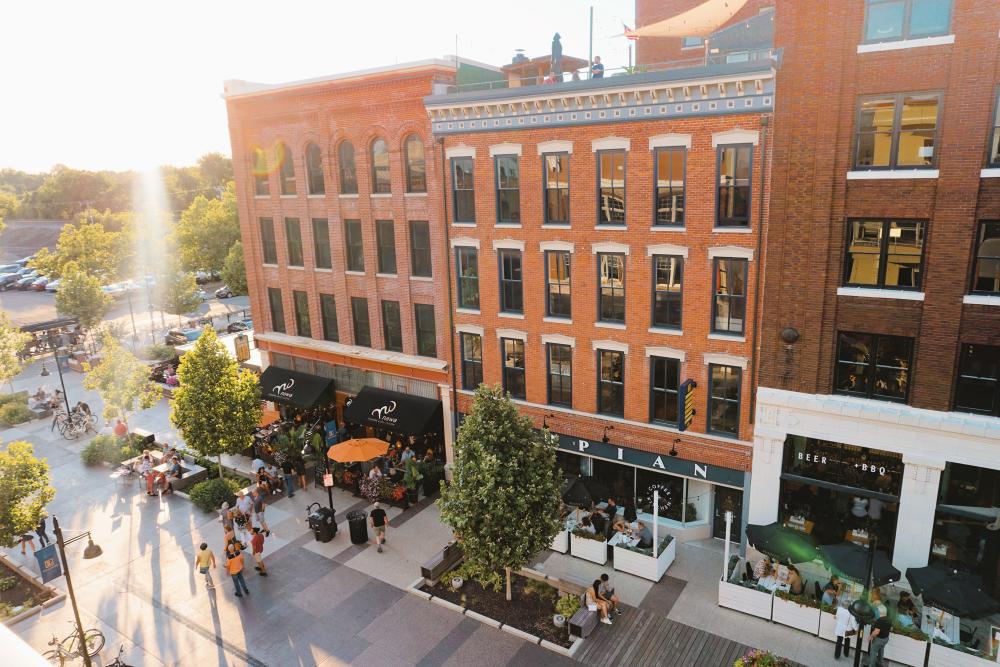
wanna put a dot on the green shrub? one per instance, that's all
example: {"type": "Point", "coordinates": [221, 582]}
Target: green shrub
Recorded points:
{"type": "Point", "coordinates": [568, 605]}
{"type": "Point", "coordinates": [19, 397]}
{"type": "Point", "coordinates": [158, 352]}
{"type": "Point", "coordinates": [15, 413]}
{"type": "Point", "coordinates": [210, 494]}
{"type": "Point", "coordinates": [110, 449]}
{"type": "Point", "coordinates": [92, 453]}
{"type": "Point", "coordinates": [7, 583]}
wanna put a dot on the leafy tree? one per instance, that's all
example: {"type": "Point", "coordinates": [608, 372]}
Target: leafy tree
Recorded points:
{"type": "Point", "coordinates": [80, 296]}
{"type": "Point", "coordinates": [94, 250]}
{"type": "Point", "coordinates": [207, 230]}
{"type": "Point", "coordinates": [24, 491]}
{"type": "Point", "coordinates": [12, 343]}
{"type": "Point", "coordinates": [234, 271]}
{"type": "Point", "coordinates": [178, 293]}
{"type": "Point", "coordinates": [216, 169]}
{"type": "Point", "coordinates": [18, 182]}
{"type": "Point", "coordinates": [121, 380]}
{"type": "Point", "coordinates": [8, 204]}
{"type": "Point", "coordinates": [67, 191]}
{"type": "Point", "coordinates": [217, 404]}
{"type": "Point", "coordinates": [503, 502]}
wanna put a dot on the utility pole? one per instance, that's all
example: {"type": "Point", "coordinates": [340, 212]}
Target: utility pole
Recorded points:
{"type": "Point", "coordinates": [590, 48]}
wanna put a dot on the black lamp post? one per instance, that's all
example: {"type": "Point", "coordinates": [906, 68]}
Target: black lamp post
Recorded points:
{"type": "Point", "coordinates": [861, 609]}
{"type": "Point", "coordinates": [309, 450]}
{"type": "Point", "coordinates": [90, 551]}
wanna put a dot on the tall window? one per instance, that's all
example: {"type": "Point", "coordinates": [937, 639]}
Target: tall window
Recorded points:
{"type": "Point", "coordinates": [268, 246]}
{"type": "Point", "coordinates": [560, 363]}
{"type": "Point", "coordinates": [277, 309]}
{"type": "Point", "coordinates": [994, 154]}
{"type": "Point", "coordinates": [724, 399]}
{"type": "Point", "coordinates": [557, 285]}
{"type": "Point", "coordinates": [893, 20]}
{"type": "Point", "coordinates": [611, 382]}
{"type": "Point", "coordinates": [897, 131]}
{"type": "Point", "coordinates": [986, 270]}
{"type": "Point", "coordinates": [359, 317]}
{"type": "Point", "coordinates": [978, 386]}
{"type": "Point", "coordinates": [884, 253]}
{"type": "Point", "coordinates": [873, 366]}
{"type": "Point", "coordinates": [314, 169]}
{"type": "Point", "coordinates": [348, 170]}
{"type": "Point", "coordinates": [321, 243]}
{"type": "Point", "coordinates": [354, 245]}
{"type": "Point", "coordinates": [729, 306]}
{"type": "Point", "coordinates": [385, 238]}
{"type": "Point", "coordinates": [513, 366]}
{"type": "Point", "coordinates": [463, 190]}
{"type": "Point", "coordinates": [668, 275]}
{"type": "Point", "coordinates": [423, 315]}
{"type": "Point", "coordinates": [381, 184]}
{"type": "Point", "coordinates": [420, 248]}
{"type": "Point", "coordinates": [472, 360]}
{"type": "Point", "coordinates": [416, 174]}
{"type": "Point", "coordinates": [733, 201]}
{"type": "Point", "coordinates": [293, 237]}
{"type": "Point", "coordinates": [467, 271]}
{"type": "Point", "coordinates": [259, 168]}
{"type": "Point", "coordinates": [611, 295]}
{"type": "Point", "coordinates": [328, 313]}
{"type": "Point", "coordinates": [392, 328]}
{"type": "Point", "coordinates": [556, 167]}
{"type": "Point", "coordinates": [303, 326]}
{"type": "Point", "coordinates": [508, 189]}
{"type": "Point", "coordinates": [664, 380]}
{"type": "Point", "coordinates": [511, 285]}
{"type": "Point", "coordinates": [670, 164]}
{"type": "Point", "coordinates": [611, 187]}
{"type": "Point", "coordinates": [286, 170]}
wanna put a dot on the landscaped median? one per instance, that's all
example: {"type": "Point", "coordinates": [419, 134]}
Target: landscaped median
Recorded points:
{"type": "Point", "coordinates": [21, 594]}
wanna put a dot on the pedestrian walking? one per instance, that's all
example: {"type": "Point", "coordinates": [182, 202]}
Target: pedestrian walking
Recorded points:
{"type": "Point", "coordinates": [43, 537]}
{"type": "Point", "coordinates": [204, 561]}
{"type": "Point", "coordinates": [880, 637]}
{"type": "Point", "coordinates": [29, 540]}
{"type": "Point", "coordinates": [226, 517]}
{"type": "Point", "coordinates": [288, 472]}
{"type": "Point", "coordinates": [847, 627]}
{"type": "Point", "coordinates": [300, 468]}
{"type": "Point", "coordinates": [257, 549]}
{"type": "Point", "coordinates": [379, 522]}
{"type": "Point", "coordinates": [259, 505]}
{"type": "Point", "coordinates": [234, 566]}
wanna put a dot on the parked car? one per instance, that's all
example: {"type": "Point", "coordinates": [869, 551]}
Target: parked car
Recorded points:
{"type": "Point", "coordinates": [39, 284]}
{"type": "Point", "coordinates": [182, 336]}
{"type": "Point", "coordinates": [223, 292]}
{"type": "Point", "coordinates": [7, 280]}
{"type": "Point", "coordinates": [115, 290]}
{"type": "Point", "coordinates": [53, 286]}
{"type": "Point", "coordinates": [26, 280]}
{"type": "Point", "coordinates": [24, 260]}
{"type": "Point", "coordinates": [9, 268]}
{"type": "Point", "coordinates": [202, 277]}
{"type": "Point", "coordinates": [240, 325]}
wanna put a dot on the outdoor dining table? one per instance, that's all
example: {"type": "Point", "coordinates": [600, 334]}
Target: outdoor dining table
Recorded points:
{"type": "Point", "coordinates": [621, 539]}
{"type": "Point", "coordinates": [940, 625]}
{"type": "Point", "coordinates": [772, 584]}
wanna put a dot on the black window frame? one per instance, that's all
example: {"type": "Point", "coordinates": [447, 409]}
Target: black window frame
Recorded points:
{"type": "Point", "coordinates": [562, 394]}
{"type": "Point", "coordinates": [322, 255]}
{"type": "Point", "coordinates": [729, 297]}
{"type": "Point", "coordinates": [993, 143]}
{"type": "Point", "coordinates": [600, 289]}
{"type": "Point", "coordinates": [472, 367]}
{"type": "Point", "coordinates": [884, 254]}
{"type": "Point", "coordinates": [712, 398]}
{"type": "Point", "coordinates": [268, 242]}
{"type": "Point", "coordinates": [905, 27]}
{"type": "Point", "coordinates": [617, 410]}
{"type": "Point", "coordinates": [303, 321]}
{"type": "Point", "coordinates": [981, 383]}
{"type": "Point", "coordinates": [416, 169]}
{"type": "Point", "coordinates": [670, 295]}
{"type": "Point", "coordinates": [467, 194]}
{"type": "Point", "coordinates": [354, 246]}
{"type": "Point", "coordinates": [361, 326]}
{"type": "Point", "coordinates": [328, 315]}
{"type": "Point", "coordinates": [601, 221]}
{"type": "Point", "coordinates": [421, 261]}
{"type": "Point", "coordinates": [293, 242]}
{"type": "Point", "coordinates": [347, 167]}
{"type": "Point", "coordinates": [464, 284]}
{"type": "Point", "coordinates": [679, 220]}
{"type": "Point", "coordinates": [562, 288]}
{"type": "Point", "coordinates": [976, 258]}
{"type": "Point", "coordinates": [315, 178]}
{"type": "Point", "coordinates": [510, 287]}
{"type": "Point", "coordinates": [872, 366]}
{"type": "Point", "coordinates": [385, 252]}
{"type": "Point", "coordinates": [563, 193]}
{"type": "Point", "coordinates": [899, 100]}
{"type": "Point", "coordinates": [381, 174]}
{"type": "Point", "coordinates": [664, 395]}
{"type": "Point", "coordinates": [392, 326]}
{"type": "Point", "coordinates": [733, 220]}
{"type": "Point", "coordinates": [507, 371]}
{"type": "Point", "coordinates": [287, 184]}
{"type": "Point", "coordinates": [423, 314]}
{"type": "Point", "coordinates": [276, 308]}
{"type": "Point", "coordinates": [504, 191]}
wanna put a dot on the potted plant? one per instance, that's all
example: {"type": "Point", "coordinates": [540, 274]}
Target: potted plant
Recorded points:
{"type": "Point", "coordinates": [797, 611]}
{"type": "Point", "coordinates": [589, 546]}
{"type": "Point", "coordinates": [760, 658]}
{"type": "Point", "coordinates": [640, 562]}
{"type": "Point", "coordinates": [411, 479]}
{"type": "Point", "coordinates": [566, 608]}
{"type": "Point", "coordinates": [907, 645]}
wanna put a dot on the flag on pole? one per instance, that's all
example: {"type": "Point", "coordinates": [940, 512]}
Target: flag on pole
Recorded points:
{"type": "Point", "coordinates": [629, 33]}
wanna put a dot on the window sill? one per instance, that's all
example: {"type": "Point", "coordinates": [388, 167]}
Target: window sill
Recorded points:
{"type": "Point", "coordinates": [610, 325]}
{"type": "Point", "coordinates": [557, 320]}
{"type": "Point", "coordinates": [991, 172]}
{"type": "Point", "coordinates": [511, 316]}
{"type": "Point", "coordinates": [664, 330]}
{"type": "Point", "coordinates": [892, 174]}
{"type": "Point", "coordinates": [270, 266]}
{"type": "Point", "coordinates": [319, 196]}
{"type": "Point", "coordinates": [731, 338]}
{"type": "Point", "coordinates": [386, 275]}
{"type": "Point", "coordinates": [323, 270]}
{"type": "Point", "coordinates": [877, 47]}
{"type": "Point", "coordinates": [981, 299]}
{"type": "Point", "coordinates": [354, 273]}
{"type": "Point", "coordinates": [380, 195]}
{"type": "Point", "coordinates": [262, 196]}
{"type": "Point", "coordinates": [733, 230]}
{"type": "Point", "coordinates": [508, 225]}
{"type": "Point", "coordinates": [288, 196]}
{"type": "Point", "coordinates": [560, 225]}
{"type": "Point", "coordinates": [611, 228]}
{"type": "Point", "coordinates": [463, 224]}
{"type": "Point", "coordinates": [468, 311]}
{"type": "Point", "coordinates": [349, 196]}
{"type": "Point", "coordinates": [414, 194]}
{"type": "Point", "coordinates": [422, 279]}
{"type": "Point", "coordinates": [875, 293]}
{"type": "Point", "coordinates": [296, 267]}
{"type": "Point", "coordinates": [668, 228]}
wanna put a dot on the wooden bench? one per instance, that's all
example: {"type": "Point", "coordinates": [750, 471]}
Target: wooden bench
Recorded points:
{"type": "Point", "coordinates": [441, 562]}
{"type": "Point", "coordinates": [584, 621]}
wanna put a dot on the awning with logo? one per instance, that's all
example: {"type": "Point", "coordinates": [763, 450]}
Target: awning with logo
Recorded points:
{"type": "Point", "coordinates": [300, 390]}
{"type": "Point", "coordinates": [402, 413]}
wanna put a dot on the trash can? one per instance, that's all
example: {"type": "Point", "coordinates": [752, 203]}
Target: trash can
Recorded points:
{"type": "Point", "coordinates": [323, 524]}
{"type": "Point", "coordinates": [359, 526]}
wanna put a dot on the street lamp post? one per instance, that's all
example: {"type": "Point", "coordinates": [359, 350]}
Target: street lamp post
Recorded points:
{"type": "Point", "coordinates": [91, 551]}
{"type": "Point", "coordinates": [131, 314]}
{"type": "Point", "coordinates": [308, 449]}
{"type": "Point", "coordinates": [861, 609]}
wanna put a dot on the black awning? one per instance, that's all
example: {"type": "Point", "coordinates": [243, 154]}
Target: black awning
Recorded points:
{"type": "Point", "coordinates": [300, 390]}
{"type": "Point", "coordinates": [403, 413]}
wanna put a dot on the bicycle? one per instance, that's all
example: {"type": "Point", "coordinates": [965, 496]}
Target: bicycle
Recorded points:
{"type": "Point", "coordinates": [118, 662]}
{"type": "Point", "coordinates": [67, 649]}
{"type": "Point", "coordinates": [73, 426]}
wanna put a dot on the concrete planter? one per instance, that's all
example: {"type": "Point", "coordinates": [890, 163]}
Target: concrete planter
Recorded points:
{"type": "Point", "coordinates": [645, 566]}
{"type": "Point", "coordinates": [795, 615]}
{"type": "Point", "coordinates": [827, 626]}
{"type": "Point", "coordinates": [747, 600]}
{"type": "Point", "coordinates": [560, 542]}
{"type": "Point", "coordinates": [906, 650]}
{"type": "Point", "coordinates": [942, 656]}
{"type": "Point", "coordinates": [596, 551]}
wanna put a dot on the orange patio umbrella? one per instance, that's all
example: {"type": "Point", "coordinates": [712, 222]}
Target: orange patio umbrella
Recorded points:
{"type": "Point", "coordinates": [268, 417]}
{"type": "Point", "coordinates": [358, 449]}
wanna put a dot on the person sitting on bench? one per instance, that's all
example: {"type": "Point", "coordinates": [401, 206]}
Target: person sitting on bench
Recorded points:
{"type": "Point", "coordinates": [595, 603]}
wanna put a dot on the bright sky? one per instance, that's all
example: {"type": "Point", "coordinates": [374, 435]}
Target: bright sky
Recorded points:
{"type": "Point", "coordinates": [120, 84]}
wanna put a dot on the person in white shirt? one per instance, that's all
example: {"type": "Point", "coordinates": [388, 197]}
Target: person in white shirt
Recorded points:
{"type": "Point", "coordinates": [375, 472]}
{"type": "Point", "coordinates": [256, 465]}
{"type": "Point", "coordinates": [847, 627]}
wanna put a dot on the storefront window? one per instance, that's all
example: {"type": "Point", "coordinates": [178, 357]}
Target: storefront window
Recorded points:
{"type": "Point", "coordinates": [846, 465]}
{"type": "Point", "coordinates": [619, 479]}
{"type": "Point", "coordinates": [671, 490]}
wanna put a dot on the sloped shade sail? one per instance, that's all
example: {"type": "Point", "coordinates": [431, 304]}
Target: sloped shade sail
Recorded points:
{"type": "Point", "coordinates": [699, 21]}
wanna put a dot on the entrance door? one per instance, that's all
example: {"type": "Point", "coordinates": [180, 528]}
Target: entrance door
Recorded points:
{"type": "Point", "coordinates": [728, 500]}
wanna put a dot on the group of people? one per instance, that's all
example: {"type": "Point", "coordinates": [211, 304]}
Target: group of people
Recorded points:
{"type": "Point", "coordinates": [275, 478]}
{"type": "Point", "coordinates": [766, 570]}
{"type": "Point", "coordinates": [160, 481]}
{"type": "Point", "coordinates": [244, 528]}
{"type": "Point", "coordinates": [607, 521]}
{"type": "Point", "coordinates": [28, 539]}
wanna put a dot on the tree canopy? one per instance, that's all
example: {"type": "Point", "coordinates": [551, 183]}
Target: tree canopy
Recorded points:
{"type": "Point", "coordinates": [95, 251]}
{"type": "Point", "coordinates": [234, 271]}
{"type": "Point", "coordinates": [121, 380]}
{"type": "Point", "coordinates": [207, 230]}
{"type": "Point", "coordinates": [8, 204]}
{"type": "Point", "coordinates": [12, 342]}
{"type": "Point", "coordinates": [24, 491]}
{"type": "Point", "coordinates": [178, 292]}
{"type": "Point", "coordinates": [80, 296]}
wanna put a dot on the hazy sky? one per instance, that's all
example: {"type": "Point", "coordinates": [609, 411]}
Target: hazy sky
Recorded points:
{"type": "Point", "coordinates": [105, 84]}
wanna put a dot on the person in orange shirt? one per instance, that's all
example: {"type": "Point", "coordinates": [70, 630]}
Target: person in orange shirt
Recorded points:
{"type": "Point", "coordinates": [234, 566]}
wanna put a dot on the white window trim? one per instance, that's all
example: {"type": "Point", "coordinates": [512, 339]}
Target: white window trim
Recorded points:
{"type": "Point", "coordinates": [515, 334]}
{"type": "Point", "coordinates": [732, 338]}
{"type": "Point", "coordinates": [981, 300]}
{"type": "Point", "coordinates": [468, 311]}
{"type": "Point", "coordinates": [354, 273]}
{"type": "Point", "coordinates": [564, 246]}
{"type": "Point", "coordinates": [892, 174]}
{"type": "Point", "coordinates": [380, 195]}
{"type": "Point", "coordinates": [414, 194]}
{"type": "Point", "coordinates": [666, 352]}
{"type": "Point", "coordinates": [505, 149]}
{"type": "Point", "coordinates": [469, 329]}
{"type": "Point", "coordinates": [557, 320]}
{"type": "Point", "coordinates": [992, 172]}
{"type": "Point", "coordinates": [725, 360]}
{"type": "Point", "coordinates": [735, 136]}
{"type": "Point", "coordinates": [460, 151]}
{"type": "Point", "coordinates": [610, 247]}
{"type": "Point", "coordinates": [511, 316]}
{"type": "Point", "coordinates": [349, 195]}
{"type": "Point", "coordinates": [465, 242]}
{"type": "Point", "coordinates": [463, 224]}
{"type": "Point", "coordinates": [558, 339]}
{"type": "Point", "coordinates": [611, 325]}
{"type": "Point", "coordinates": [667, 249]}
{"type": "Point", "coordinates": [666, 331]}
{"type": "Point", "coordinates": [419, 279]}
{"type": "Point", "coordinates": [667, 228]}
{"type": "Point", "coordinates": [876, 47]}
{"type": "Point", "coordinates": [508, 244]}
{"type": "Point", "coordinates": [730, 252]}
{"type": "Point", "coordinates": [875, 293]}
{"type": "Point", "coordinates": [670, 141]}
{"type": "Point", "coordinates": [610, 144]}
{"type": "Point", "coordinates": [555, 147]}
{"type": "Point", "coordinates": [610, 346]}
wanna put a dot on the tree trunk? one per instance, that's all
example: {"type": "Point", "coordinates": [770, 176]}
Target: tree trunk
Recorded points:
{"type": "Point", "coordinates": [507, 571]}
{"type": "Point", "coordinates": [219, 457]}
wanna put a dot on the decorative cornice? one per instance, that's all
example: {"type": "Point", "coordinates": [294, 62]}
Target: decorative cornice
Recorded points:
{"type": "Point", "coordinates": [564, 246]}
{"type": "Point", "coordinates": [465, 242]}
{"type": "Point", "coordinates": [558, 339]}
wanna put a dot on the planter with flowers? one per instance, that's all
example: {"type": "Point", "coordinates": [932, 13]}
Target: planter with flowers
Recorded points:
{"type": "Point", "coordinates": [589, 546]}
{"type": "Point", "coordinates": [760, 658]}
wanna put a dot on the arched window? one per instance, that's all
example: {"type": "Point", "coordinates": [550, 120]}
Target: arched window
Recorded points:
{"type": "Point", "coordinates": [380, 167]}
{"type": "Point", "coordinates": [416, 178]}
{"type": "Point", "coordinates": [258, 166]}
{"type": "Point", "coordinates": [314, 169]}
{"type": "Point", "coordinates": [348, 172]}
{"type": "Point", "coordinates": [286, 170]}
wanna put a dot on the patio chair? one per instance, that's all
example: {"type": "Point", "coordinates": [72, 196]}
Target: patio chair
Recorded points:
{"type": "Point", "coordinates": [749, 573]}
{"type": "Point", "coordinates": [818, 591]}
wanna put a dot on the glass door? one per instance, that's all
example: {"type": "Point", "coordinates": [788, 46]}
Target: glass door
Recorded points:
{"type": "Point", "coordinates": [728, 500]}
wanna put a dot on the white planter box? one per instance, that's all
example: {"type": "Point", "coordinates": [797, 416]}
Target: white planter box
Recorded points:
{"type": "Point", "coordinates": [749, 601]}
{"type": "Point", "coordinates": [595, 551]}
{"type": "Point", "coordinates": [645, 566]}
{"type": "Point", "coordinates": [828, 626]}
{"type": "Point", "coordinates": [560, 542]}
{"type": "Point", "coordinates": [906, 650]}
{"type": "Point", "coordinates": [942, 656]}
{"type": "Point", "coordinates": [795, 615]}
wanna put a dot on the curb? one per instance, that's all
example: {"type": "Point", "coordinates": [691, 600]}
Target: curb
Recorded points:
{"type": "Point", "coordinates": [448, 605]}
{"type": "Point", "coordinates": [53, 601]}
{"type": "Point", "coordinates": [522, 634]}
{"type": "Point", "coordinates": [485, 620]}
{"type": "Point", "coordinates": [27, 613]}
{"type": "Point", "coordinates": [562, 650]}
{"type": "Point", "coordinates": [415, 589]}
